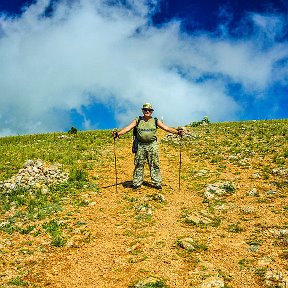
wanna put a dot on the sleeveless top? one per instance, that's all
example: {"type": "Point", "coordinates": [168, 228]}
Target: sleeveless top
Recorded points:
{"type": "Point", "coordinates": [146, 130]}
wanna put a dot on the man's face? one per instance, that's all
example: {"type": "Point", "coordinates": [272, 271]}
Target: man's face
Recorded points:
{"type": "Point", "coordinates": [147, 112]}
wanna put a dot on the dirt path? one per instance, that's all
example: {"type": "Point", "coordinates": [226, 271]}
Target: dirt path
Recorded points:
{"type": "Point", "coordinates": [135, 234]}
{"type": "Point", "coordinates": [109, 260]}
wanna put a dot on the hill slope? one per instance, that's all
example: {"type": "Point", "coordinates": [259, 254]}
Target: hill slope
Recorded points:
{"type": "Point", "coordinates": [227, 226]}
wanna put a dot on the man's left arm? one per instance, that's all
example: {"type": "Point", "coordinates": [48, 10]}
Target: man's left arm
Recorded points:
{"type": "Point", "coordinates": [161, 125]}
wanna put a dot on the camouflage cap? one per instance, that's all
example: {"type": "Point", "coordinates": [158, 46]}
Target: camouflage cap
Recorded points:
{"type": "Point", "coordinates": [147, 106]}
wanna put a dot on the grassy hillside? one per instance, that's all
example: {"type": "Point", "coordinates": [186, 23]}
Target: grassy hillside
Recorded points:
{"type": "Point", "coordinates": [227, 226]}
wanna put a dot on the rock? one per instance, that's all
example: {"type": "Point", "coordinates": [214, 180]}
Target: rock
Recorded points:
{"type": "Point", "coordinates": [176, 139]}
{"type": "Point", "coordinates": [224, 207]}
{"type": "Point", "coordinates": [233, 157]}
{"type": "Point", "coordinates": [134, 248]}
{"type": "Point", "coordinates": [271, 192]}
{"type": "Point", "coordinates": [279, 232]}
{"type": "Point", "coordinates": [86, 202]}
{"type": "Point", "coordinates": [244, 162]}
{"type": "Point", "coordinates": [283, 232]}
{"type": "Point", "coordinates": [247, 210]}
{"type": "Point", "coordinates": [264, 262]}
{"type": "Point", "coordinates": [213, 282]}
{"type": "Point", "coordinates": [3, 224]}
{"type": "Point", "coordinates": [216, 190]}
{"type": "Point", "coordinates": [148, 282]}
{"type": "Point", "coordinates": [149, 212]}
{"type": "Point", "coordinates": [92, 204]}
{"type": "Point", "coordinates": [275, 277]}
{"type": "Point", "coordinates": [201, 173]}
{"type": "Point", "coordinates": [280, 171]}
{"type": "Point", "coordinates": [187, 244]}
{"type": "Point", "coordinates": [199, 218]}
{"type": "Point", "coordinates": [62, 137]}
{"type": "Point", "coordinates": [28, 163]}
{"type": "Point", "coordinates": [253, 192]}
{"type": "Point", "coordinates": [145, 210]}
{"type": "Point", "coordinates": [34, 174]}
{"type": "Point", "coordinates": [74, 242]}
{"type": "Point", "coordinates": [254, 248]}
{"type": "Point", "coordinates": [158, 197]}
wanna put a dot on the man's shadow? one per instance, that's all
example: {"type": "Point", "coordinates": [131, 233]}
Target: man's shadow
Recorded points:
{"type": "Point", "coordinates": [129, 184]}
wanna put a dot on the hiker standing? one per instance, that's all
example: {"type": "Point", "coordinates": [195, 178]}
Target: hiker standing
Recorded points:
{"type": "Point", "coordinates": [146, 127]}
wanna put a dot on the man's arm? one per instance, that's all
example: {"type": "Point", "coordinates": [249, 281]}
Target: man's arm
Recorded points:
{"type": "Point", "coordinates": [161, 125]}
{"type": "Point", "coordinates": [126, 129]}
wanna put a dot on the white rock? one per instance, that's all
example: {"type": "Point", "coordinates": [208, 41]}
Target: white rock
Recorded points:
{"type": "Point", "coordinates": [213, 282]}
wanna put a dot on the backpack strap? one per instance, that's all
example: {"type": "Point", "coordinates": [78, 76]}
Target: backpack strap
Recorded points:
{"type": "Point", "coordinates": [135, 128]}
{"type": "Point", "coordinates": [156, 122]}
{"type": "Point", "coordinates": [139, 119]}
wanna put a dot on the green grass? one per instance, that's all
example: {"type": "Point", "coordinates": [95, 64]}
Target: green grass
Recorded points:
{"type": "Point", "coordinates": [242, 139]}
{"type": "Point", "coordinates": [235, 228]}
{"type": "Point", "coordinates": [17, 281]}
{"type": "Point", "coordinates": [83, 147]}
{"type": "Point", "coordinates": [157, 283]}
{"type": "Point", "coordinates": [73, 153]}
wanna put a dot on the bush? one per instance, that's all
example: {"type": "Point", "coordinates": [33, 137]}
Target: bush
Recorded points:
{"type": "Point", "coordinates": [73, 130]}
{"type": "Point", "coordinates": [204, 121]}
{"type": "Point", "coordinates": [78, 175]}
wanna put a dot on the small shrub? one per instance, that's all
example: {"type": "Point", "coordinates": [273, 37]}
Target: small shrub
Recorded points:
{"type": "Point", "coordinates": [235, 228]}
{"type": "Point", "coordinates": [204, 121]}
{"type": "Point", "coordinates": [261, 271]}
{"type": "Point", "coordinates": [17, 281]}
{"type": "Point", "coordinates": [150, 282]}
{"type": "Point", "coordinates": [73, 130]}
{"type": "Point", "coordinates": [285, 254]}
{"type": "Point", "coordinates": [245, 263]}
{"type": "Point", "coordinates": [28, 229]}
{"type": "Point", "coordinates": [228, 187]}
{"type": "Point", "coordinates": [77, 174]}
{"type": "Point", "coordinates": [58, 241]}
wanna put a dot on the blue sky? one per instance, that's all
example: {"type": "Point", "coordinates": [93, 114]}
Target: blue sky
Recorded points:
{"type": "Point", "coordinates": [91, 64]}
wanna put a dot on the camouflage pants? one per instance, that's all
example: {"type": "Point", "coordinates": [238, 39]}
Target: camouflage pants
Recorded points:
{"type": "Point", "coordinates": [149, 152]}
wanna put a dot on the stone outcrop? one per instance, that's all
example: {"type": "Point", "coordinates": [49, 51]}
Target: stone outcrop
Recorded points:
{"type": "Point", "coordinates": [187, 244]}
{"type": "Point", "coordinates": [188, 135]}
{"type": "Point", "coordinates": [34, 174]}
{"type": "Point", "coordinates": [218, 190]}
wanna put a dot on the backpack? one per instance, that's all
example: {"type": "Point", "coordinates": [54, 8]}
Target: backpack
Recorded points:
{"type": "Point", "coordinates": [135, 140]}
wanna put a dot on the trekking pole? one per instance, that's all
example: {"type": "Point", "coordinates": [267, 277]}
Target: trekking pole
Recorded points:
{"type": "Point", "coordinates": [115, 161]}
{"type": "Point", "coordinates": [180, 162]}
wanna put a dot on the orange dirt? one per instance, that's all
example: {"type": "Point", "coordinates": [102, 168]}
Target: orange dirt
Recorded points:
{"type": "Point", "coordinates": [126, 249]}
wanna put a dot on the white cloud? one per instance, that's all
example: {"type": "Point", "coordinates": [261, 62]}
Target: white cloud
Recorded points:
{"type": "Point", "coordinates": [272, 26]}
{"type": "Point", "coordinates": [88, 51]}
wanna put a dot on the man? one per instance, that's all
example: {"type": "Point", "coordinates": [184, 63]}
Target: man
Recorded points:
{"type": "Point", "coordinates": [147, 145]}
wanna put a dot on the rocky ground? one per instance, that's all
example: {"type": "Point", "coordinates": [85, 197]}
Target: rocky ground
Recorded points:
{"type": "Point", "coordinates": [225, 227]}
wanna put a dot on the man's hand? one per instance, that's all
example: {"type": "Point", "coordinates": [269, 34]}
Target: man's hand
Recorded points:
{"type": "Point", "coordinates": [180, 131]}
{"type": "Point", "coordinates": [115, 133]}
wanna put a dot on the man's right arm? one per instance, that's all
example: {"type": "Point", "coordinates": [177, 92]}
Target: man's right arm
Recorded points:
{"type": "Point", "coordinates": [126, 129]}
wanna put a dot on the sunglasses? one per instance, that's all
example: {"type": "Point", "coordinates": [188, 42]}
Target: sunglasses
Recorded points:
{"type": "Point", "coordinates": [145, 110]}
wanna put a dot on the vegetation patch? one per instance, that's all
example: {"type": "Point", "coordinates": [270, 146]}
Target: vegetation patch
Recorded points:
{"type": "Point", "coordinates": [201, 219]}
{"type": "Point", "coordinates": [190, 244]}
{"type": "Point", "coordinates": [149, 282]}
